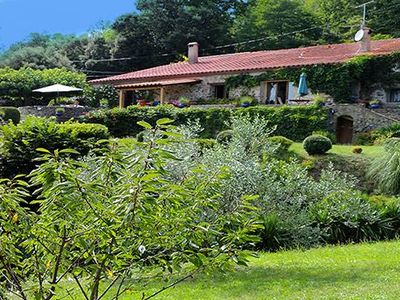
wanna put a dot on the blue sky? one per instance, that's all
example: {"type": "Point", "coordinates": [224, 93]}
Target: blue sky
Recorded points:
{"type": "Point", "coordinates": [18, 18]}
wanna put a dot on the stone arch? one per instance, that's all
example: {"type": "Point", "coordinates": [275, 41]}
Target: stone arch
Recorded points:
{"type": "Point", "coordinates": [344, 129]}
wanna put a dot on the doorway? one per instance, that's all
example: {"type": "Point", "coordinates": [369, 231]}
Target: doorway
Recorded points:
{"type": "Point", "coordinates": [344, 130]}
{"type": "Point", "coordinates": [276, 92]}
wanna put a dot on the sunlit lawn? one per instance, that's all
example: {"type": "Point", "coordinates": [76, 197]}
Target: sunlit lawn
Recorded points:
{"type": "Point", "coordinates": [368, 151]}
{"type": "Point", "coordinates": [365, 271]}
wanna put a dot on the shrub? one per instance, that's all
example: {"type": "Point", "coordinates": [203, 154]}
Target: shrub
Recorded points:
{"type": "Point", "coordinates": [385, 169]}
{"type": "Point", "coordinates": [19, 143]}
{"type": "Point", "coordinates": [225, 136]}
{"type": "Point", "coordinates": [17, 85]}
{"type": "Point", "coordinates": [349, 217]}
{"type": "Point", "coordinates": [282, 143]}
{"type": "Point", "coordinates": [364, 139]}
{"type": "Point", "coordinates": [295, 123]}
{"type": "Point", "coordinates": [328, 134]}
{"type": "Point", "coordinates": [205, 143]}
{"type": "Point", "coordinates": [317, 144]}
{"type": "Point", "coordinates": [357, 150]}
{"type": "Point", "coordinates": [10, 113]}
{"type": "Point", "coordinates": [95, 97]}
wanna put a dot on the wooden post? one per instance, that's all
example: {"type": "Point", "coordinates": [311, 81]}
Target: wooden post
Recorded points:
{"type": "Point", "coordinates": [121, 99]}
{"type": "Point", "coordinates": [162, 95]}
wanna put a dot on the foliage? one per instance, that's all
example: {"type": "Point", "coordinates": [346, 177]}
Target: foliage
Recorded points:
{"type": "Point", "coordinates": [357, 150]}
{"type": "Point", "coordinates": [224, 136]}
{"type": "Point", "coordinates": [143, 38]}
{"type": "Point", "coordinates": [17, 85]}
{"type": "Point", "coordinates": [317, 144]}
{"type": "Point", "coordinates": [19, 143]}
{"type": "Point", "coordinates": [385, 169]}
{"type": "Point", "coordinates": [299, 274]}
{"type": "Point", "coordinates": [272, 19]}
{"type": "Point", "coordinates": [324, 78]}
{"type": "Point", "coordinates": [10, 114]}
{"type": "Point", "coordinates": [94, 96]}
{"type": "Point", "coordinates": [349, 217]}
{"type": "Point", "coordinates": [292, 122]}
{"type": "Point", "coordinates": [117, 216]}
{"type": "Point", "coordinates": [282, 145]}
{"type": "Point", "coordinates": [329, 134]}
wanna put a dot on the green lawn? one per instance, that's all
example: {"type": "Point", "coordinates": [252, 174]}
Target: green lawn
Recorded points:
{"type": "Point", "coordinates": [367, 271]}
{"type": "Point", "coordinates": [368, 151]}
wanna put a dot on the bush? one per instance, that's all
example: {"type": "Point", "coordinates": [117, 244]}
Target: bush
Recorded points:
{"type": "Point", "coordinates": [328, 134]}
{"type": "Point", "coordinates": [349, 217]}
{"type": "Point", "coordinates": [295, 123]}
{"type": "Point", "coordinates": [317, 144]}
{"type": "Point", "coordinates": [357, 150]}
{"type": "Point", "coordinates": [385, 169]}
{"type": "Point", "coordinates": [95, 97]}
{"type": "Point", "coordinates": [282, 143]}
{"type": "Point", "coordinates": [16, 85]}
{"type": "Point", "coordinates": [10, 113]}
{"type": "Point", "coordinates": [225, 136]}
{"type": "Point", "coordinates": [19, 143]}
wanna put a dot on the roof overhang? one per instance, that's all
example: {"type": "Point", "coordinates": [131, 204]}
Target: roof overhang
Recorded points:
{"type": "Point", "coordinates": [158, 83]}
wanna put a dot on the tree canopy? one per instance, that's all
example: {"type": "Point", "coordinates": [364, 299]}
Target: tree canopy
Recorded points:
{"type": "Point", "coordinates": [158, 32]}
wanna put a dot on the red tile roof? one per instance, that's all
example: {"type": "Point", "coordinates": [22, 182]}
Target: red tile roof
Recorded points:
{"type": "Point", "coordinates": [257, 61]}
{"type": "Point", "coordinates": [159, 83]}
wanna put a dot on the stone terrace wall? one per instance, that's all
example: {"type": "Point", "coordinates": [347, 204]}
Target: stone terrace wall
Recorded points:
{"type": "Point", "coordinates": [364, 119]}
{"type": "Point", "coordinates": [71, 112]}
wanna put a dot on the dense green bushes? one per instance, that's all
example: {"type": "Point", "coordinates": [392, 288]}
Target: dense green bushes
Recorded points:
{"type": "Point", "coordinates": [295, 123]}
{"type": "Point", "coordinates": [10, 114]}
{"type": "Point", "coordinates": [18, 143]}
{"type": "Point", "coordinates": [16, 85]}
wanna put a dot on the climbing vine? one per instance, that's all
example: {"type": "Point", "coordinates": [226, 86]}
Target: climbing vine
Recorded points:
{"type": "Point", "coordinates": [336, 80]}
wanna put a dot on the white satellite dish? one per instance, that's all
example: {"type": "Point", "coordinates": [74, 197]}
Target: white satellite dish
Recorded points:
{"type": "Point", "coordinates": [359, 35]}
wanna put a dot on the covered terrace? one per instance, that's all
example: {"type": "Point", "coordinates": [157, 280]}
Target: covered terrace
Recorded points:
{"type": "Point", "coordinates": [161, 90]}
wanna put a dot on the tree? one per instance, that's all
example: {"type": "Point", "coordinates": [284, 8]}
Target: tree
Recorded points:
{"type": "Point", "coordinates": [17, 85]}
{"type": "Point", "coordinates": [383, 17]}
{"type": "Point", "coordinates": [276, 24]}
{"type": "Point", "coordinates": [161, 30]}
{"type": "Point", "coordinates": [117, 218]}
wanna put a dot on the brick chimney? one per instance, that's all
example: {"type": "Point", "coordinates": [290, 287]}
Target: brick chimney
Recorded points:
{"type": "Point", "coordinates": [366, 40]}
{"type": "Point", "coordinates": [193, 52]}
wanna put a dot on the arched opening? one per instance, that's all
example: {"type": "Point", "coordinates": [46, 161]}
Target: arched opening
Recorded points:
{"type": "Point", "coordinates": [344, 130]}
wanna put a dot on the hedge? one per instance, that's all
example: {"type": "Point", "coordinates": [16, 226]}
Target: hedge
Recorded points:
{"type": "Point", "coordinates": [19, 143]}
{"type": "Point", "coordinates": [293, 122]}
{"type": "Point", "coordinates": [10, 113]}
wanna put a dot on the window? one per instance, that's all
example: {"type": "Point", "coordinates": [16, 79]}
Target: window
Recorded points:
{"type": "Point", "coordinates": [220, 91]}
{"type": "Point", "coordinates": [395, 95]}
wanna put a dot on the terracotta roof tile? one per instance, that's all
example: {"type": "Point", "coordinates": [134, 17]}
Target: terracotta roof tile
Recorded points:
{"type": "Point", "coordinates": [158, 83]}
{"type": "Point", "coordinates": [257, 61]}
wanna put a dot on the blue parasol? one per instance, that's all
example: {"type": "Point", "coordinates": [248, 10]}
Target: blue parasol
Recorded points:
{"type": "Point", "coordinates": [303, 89]}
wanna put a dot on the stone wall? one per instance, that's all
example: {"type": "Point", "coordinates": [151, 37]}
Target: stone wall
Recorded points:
{"type": "Point", "coordinates": [364, 119]}
{"type": "Point", "coordinates": [71, 112]}
{"type": "Point", "coordinates": [204, 89]}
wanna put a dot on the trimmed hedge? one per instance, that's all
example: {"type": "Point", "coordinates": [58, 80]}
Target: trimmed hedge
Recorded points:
{"type": "Point", "coordinates": [293, 122]}
{"type": "Point", "coordinates": [18, 143]}
{"type": "Point", "coordinates": [10, 113]}
{"type": "Point", "coordinates": [317, 144]}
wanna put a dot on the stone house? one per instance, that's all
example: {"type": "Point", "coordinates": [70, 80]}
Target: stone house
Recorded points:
{"type": "Point", "coordinates": [205, 77]}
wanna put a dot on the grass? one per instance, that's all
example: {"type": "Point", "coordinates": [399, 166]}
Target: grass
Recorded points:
{"type": "Point", "coordinates": [368, 151]}
{"type": "Point", "coordinates": [362, 271]}
{"type": "Point", "coordinates": [343, 159]}
{"type": "Point", "coordinates": [365, 271]}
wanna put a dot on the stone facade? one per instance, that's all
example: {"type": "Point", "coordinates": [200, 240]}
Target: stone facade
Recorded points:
{"type": "Point", "coordinates": [205, 90]}
{"type": "Point", "coordinates": [71, 112]}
